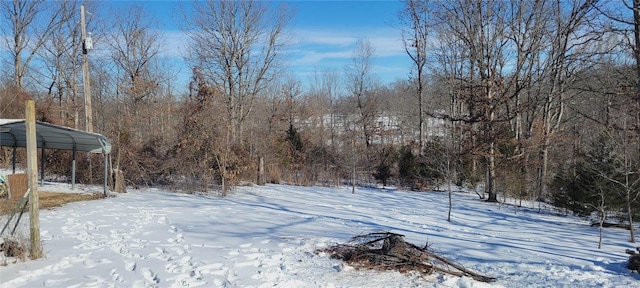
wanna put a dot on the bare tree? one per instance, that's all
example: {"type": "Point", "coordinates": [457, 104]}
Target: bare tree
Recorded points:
{"type": "Point", "coordinates": [564, 56]}
{"type": "Point", "coordinates": [623, 173]}
{"type": "Point", "coordinates": [506, 66]}
{"type": "Point", "coordinates": [480, 29]}
{"type": "Point", "coordinates": [134, 47]}
{"type": "Point", "coordinates": [415, 39]}
{"type": "Point", "coordinates": [361, 82]}
{"type": "Point", "coordinates": [195, 155]}
{"type": "Point", "coordinates": [325, 87]}
{"type": "Point", "coordinates": [61, 53]}
{"type": "Point", "coordinates": [28, 24]}
{"type": "Point", "coordinates": [237, 45]}
{"type": "Point", "coordinates": [320, 122]}
{"type": "Point", "coordinates": [295, 146]}
{"type": "Point", "coordinates": [625, 18]}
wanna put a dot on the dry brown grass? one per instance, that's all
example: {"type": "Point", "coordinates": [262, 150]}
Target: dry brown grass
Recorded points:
{"type": "Point", "coordinates": [49, 200]}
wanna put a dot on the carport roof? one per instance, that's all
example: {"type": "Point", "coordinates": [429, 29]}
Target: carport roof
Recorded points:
{"type": "Point", "coordinates": [13, 132]}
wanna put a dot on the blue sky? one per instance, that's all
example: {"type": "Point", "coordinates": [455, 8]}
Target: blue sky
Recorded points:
{"type": "Point", "coordinates": [324, 33]}
{"type": "Point", "coordinates": [328, 30]}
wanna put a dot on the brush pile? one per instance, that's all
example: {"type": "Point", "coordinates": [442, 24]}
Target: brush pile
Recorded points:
{"type": "Point", "coordinates": [11, 248]}
{"type": "Point", "coordinates": [633, 263]}
{"type": "Point", "coordinates": [389, 251]}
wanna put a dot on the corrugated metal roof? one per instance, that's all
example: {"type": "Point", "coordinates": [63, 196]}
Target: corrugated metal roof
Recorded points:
{"type": "Point", "coordinates": [13, 132]}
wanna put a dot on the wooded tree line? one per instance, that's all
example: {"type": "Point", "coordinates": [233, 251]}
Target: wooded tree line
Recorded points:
{"type": "Point", "coordinates": [526, 99]}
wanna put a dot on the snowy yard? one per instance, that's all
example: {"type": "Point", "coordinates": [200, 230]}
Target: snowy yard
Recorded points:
{"type": "Point", "coordinates": [267, 237]}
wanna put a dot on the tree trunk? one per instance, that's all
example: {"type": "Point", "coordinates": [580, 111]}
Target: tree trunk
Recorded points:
{"type": "Point", "coordinates": [353, 177]}
{"type": "Point", "coordinates": [420, 116]}
{"type": "Point", "coordinates": [542, 177]}
{"type": "Point", "coordinates": [18, 71]}
{"type": "Point", "coordinates": [261, 177]}
{"type": "Point", "coordinates": [632, 239]}
{"type": "Point", "coordinates": [119, 185]}
{"type": "Point", "coordinates": [493, 196]}
{"type": "Point", "coordinates": [600, 229]}
{"type": "Point", "coordinates": [224, 187]}
{"type": "Point", "coordinates": [449, 179]}
{"type": "Point", "coordinates": [636, 50]}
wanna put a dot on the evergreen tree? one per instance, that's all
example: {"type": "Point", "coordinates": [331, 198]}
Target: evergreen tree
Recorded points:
{"type": "Point", "coordinates": [407, 166]}
{"type": "Point", "coordinates": [385, 160]}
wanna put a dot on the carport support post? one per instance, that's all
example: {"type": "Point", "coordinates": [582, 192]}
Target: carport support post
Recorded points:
{"type": "Point", "coordinates": [15, 154]}
{"type": "Point", "coordinates": [104, 160]}
{"type": "Point", "coordinates": [42, 161]}
{"type": "Point", "coordinates": [73, 168]}
{"type": "Point", "coordinates": [32, 173]}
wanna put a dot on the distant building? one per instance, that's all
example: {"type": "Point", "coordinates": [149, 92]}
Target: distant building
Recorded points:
{"type": "Point", "coordinates": [385, 128]}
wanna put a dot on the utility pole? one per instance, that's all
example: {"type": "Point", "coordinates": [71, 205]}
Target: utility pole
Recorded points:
{"type": "Point", "coordinates": [87, 44]}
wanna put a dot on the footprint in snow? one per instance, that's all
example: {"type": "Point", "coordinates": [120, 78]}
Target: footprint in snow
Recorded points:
{"type": "Point", "coordinates": [115, 276]}
{"type": "Point", "coordinates": [55, 282]}
{"type": "Point", "coordinates": [212, 268]}
{"type": "Point", "coordinates": [97, 280]}
{"type": "Point", "coordinates": [162, 220]}
{"type": "Point", "coordinates": [186, 260]}
{"type": "Point", "coordinates": [150, 276]}
{"type": "Point", "coordinates": [130, 266]}
{"type": "Point", "coordinates": [180, 252]}
{"type": "Point", "coordinates": [178, 238]}
{"type": "Point", "coordinates": [91, 263]}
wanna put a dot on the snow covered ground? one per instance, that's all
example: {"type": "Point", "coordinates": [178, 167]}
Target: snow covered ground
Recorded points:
{"type": "Point", "coordinates": [267, 237]}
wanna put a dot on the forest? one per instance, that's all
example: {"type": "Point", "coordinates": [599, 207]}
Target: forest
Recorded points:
{"type": "Point", "coordinates": [529, 100]}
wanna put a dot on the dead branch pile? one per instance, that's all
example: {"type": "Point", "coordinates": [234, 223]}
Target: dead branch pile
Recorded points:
{"type": "Point", "coordinates": [633, 263]}
{"type": "Point", "coordinates": [389, 251]}
{"type": "Point", "coordinates": [11, 248]}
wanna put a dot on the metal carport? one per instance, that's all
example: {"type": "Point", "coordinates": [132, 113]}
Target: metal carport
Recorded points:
{"type": "Point", "coordinates": [13, 133]}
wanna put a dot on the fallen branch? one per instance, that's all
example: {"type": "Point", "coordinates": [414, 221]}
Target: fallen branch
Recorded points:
{"type": "Point", "coordinates": [389, 251]}
{"type": "Point", "coordinates": [463, 271]}
{"type": "Point", "coordinates": [614, 225]}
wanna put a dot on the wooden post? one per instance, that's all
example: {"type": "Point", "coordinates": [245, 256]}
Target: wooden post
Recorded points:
{"type": "Point", "coordinates": [32, 173]}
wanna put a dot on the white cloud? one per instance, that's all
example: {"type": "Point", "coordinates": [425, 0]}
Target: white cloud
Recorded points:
{"type": "Point", "coordinates": [328, 39]}
{"type": "Point", "coordinates": [312, 47]}
{"type": "Point", "coordinates": [312, 57]}
{"type": "Point", "coordinates": [316, 45]}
